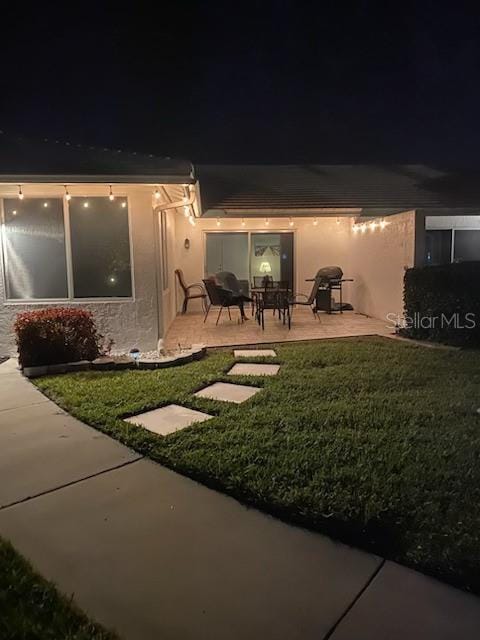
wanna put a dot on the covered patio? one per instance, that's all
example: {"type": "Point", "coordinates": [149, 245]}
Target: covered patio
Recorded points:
{"type": "Point", "coordinates": [190, 329]}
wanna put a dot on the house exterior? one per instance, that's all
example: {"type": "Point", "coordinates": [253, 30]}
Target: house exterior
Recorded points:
{"type": "Point", "coordinates": [105, 230]}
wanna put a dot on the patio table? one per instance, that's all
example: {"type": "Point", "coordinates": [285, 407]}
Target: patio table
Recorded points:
{"type": "Point", "coordinates": [258, 293]}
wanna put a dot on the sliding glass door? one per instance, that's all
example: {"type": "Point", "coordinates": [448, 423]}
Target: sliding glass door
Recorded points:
{"type": "Point", "coordinates": [250, 255]}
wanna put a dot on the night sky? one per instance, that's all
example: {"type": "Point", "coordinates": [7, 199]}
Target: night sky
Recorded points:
{"type": "Point", "coordinates": [273, 82]}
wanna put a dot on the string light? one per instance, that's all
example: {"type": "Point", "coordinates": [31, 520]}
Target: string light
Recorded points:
{"type": "Point", "coordinates": [243, 222]}
{"type": "Point", "coordinates": [86, 204]}
{"type": "Point", "coordinates": [315, 222]}
{"type": "Point", "coordinates": [45, 204]}
{"type": "Point", "coordinates": [383, 224]}
{"type": "Point", "coordinates": [20, 192]}
{"type": "Point", "coordinates": [267, 222]}
{"type": "Point", "coordinates": [110, 195]}
{"type": "Point", "coordinates": [373, 225]}
{"type": "Point", "coordinates": [157, 194]}
{"type": "Point", "coordinates": [354, 228]}
{"type": "Point", "coordinates": [68, 197]}
{"type": "Point", "coordinates": [363, 227]}
{"type": "Point", "coordinates": [290, 222]}
{"type": "Point", "coordinates": [338, 220]}
{"type": "Point", "coordinates": [124, 204]}
{"type": "Point", "coordinates": [218, 222]}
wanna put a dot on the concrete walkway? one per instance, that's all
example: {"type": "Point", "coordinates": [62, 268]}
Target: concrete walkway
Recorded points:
{"type": "Point", "coordinates": [156, 555]}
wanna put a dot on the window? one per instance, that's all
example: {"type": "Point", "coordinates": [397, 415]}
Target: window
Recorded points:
{"type": "Point", "coordinates": [467, 245]}
{"type": "Point", "coordinates": [52, 251]}
{"type": "Point", "coordinates": [438, 246]}
{"type": "Point", "coordinates": [100, 248]}
{"type": "Point", "coordinates": [34, 249]}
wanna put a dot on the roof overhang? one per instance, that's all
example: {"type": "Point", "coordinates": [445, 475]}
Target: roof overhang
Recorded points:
{"type": "Point", "coordinates": [96, 179]}
{"type": "Point", "coordinates": [310, 212]}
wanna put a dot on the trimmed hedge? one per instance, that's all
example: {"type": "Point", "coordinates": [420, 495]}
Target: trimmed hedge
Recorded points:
{"type": "Point", "coordinates": [442, 303]}
{"type": "Point", "coordinates": [57, 335]}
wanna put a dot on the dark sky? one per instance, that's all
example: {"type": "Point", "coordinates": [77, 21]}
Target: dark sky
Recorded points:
{"type": "Point", "coordinates": [249, 82]}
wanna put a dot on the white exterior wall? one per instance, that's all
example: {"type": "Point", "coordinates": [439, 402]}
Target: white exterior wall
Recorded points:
{"type": "Point", "coordinates": [378, 262]}
{"type": "Point", "coordinates": [129, 323]}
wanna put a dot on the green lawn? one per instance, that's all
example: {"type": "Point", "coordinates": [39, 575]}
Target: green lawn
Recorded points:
{"type": "Point", "coordinates": [32, 609]}
{"type": "Point", "coordinates": [372, 441]}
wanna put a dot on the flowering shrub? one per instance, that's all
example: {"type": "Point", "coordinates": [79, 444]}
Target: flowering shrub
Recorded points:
{"type": "Point", "coordinates": [53, 336]}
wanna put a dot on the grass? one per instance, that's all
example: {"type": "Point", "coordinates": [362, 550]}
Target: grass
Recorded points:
{"type": "Point", "coordinates": [32, 609]}
{"type": "Point", "coordinates": [371, 441]}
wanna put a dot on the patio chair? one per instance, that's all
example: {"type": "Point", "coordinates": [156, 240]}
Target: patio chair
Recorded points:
{"type": "Point", "coordinates": [307, 301]}
{"type": "Point", "coordinates": [275, 296]}
{"type": "Point", "coordinates": [218, 297]}
{"type": "Point", "coordinates": [187, 291]}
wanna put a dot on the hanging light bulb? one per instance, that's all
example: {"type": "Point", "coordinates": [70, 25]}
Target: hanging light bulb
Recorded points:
{"type": "Point", "coordinates": [315, 222]}
{"type": "Point", "coordinates": [363, 227]}
{"type": "Point", "coordinates": [45, 204]}
{"type": "Point", "coordinates": [383, 224]}
{"type": "Point", "coordinates": [157, 194]}
{"type": "Point", "coordinates": [290, 222]}
{"type": "Point", "coordinates": [267, 222]}
{"type": "Point", "coordinates": [124, 204]}
{"type": "Point", "coordinates": [338, 220]}
{"type": "Point", "coordinates": [110, 195]}
{"type": "Point", "coordinates": [67, 195]}
{"type": "Point", "coordinates": [186, 211]}
{"type": "Point", "coordinates": [86, 204]}
{"type": "Point", "coordinates": [20, 192]}
{"type": "Point", "coordinates": [243, 222]}
{"type": "Point", "coordinates": [218, 222]}
{"type": "Point", "coordinates": [354, 228]}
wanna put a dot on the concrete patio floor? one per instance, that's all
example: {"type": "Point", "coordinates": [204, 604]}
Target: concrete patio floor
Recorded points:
{"type": "Point", "coordinates": [156, 555]}
{"type": "Point", "coordinates": [190, 329]}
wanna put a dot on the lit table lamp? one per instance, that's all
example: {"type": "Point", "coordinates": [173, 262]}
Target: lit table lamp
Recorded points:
{"type": "Point", "coordinates": [265, 267]}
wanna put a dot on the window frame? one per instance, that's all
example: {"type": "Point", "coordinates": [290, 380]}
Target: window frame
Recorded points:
{"type": "Point", "coordinates": [68, 257]}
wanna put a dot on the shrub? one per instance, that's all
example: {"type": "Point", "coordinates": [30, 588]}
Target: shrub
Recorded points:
{"type": "Point", "coordinates": [53, 336]}
{"type": "Point", "coordinates": [442, 302]}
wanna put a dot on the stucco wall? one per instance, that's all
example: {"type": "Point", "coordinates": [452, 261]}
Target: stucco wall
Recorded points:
{"type": "Point", "coordinates": [378, 262]}
{"type": "Point", "coordinates": [129, 323]}
{"type": "Point", "coordinates": [315, 246]}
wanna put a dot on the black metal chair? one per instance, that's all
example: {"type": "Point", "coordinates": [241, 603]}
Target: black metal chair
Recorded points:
{"type": "Point", "coordinates": [307, 301]}
{"type": "Point", "coordinates": [274, 296]}
{"type": "Point", "coordinates": [218, 297]}
{"type": "Point", "coordinates": [199, 291]}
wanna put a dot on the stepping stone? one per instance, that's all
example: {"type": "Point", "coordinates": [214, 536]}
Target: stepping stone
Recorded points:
{"type": "Point", "coordinates": [168, 419]}
{"type": "Point", "coordinates": [246, 369]}
{"type": "Point", "coordinates": [254, 353]}
{"type": "Point", "coordinates": [227, 392]}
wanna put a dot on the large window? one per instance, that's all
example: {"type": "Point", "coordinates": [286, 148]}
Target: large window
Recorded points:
{"type": "Point", "coordinates": [34, 249]}
{"type": "Point", "coordinates": [100, 248]}
{"type": "Point", "coordinates": [58, 250]}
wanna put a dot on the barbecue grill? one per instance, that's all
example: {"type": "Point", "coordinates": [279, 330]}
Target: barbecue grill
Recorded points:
{"type": "Point", "coordinates": [330, 279]}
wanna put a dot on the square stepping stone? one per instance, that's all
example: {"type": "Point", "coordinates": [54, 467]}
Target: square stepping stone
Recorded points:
{"type": "Point", "coordinates": [254, 353]}
{"type": "Point", "coordinates": [227, 392]}
{"type": "Point", "coordinates": [246, 369]}
{"type": "Point", "coordinates": [168, 419]}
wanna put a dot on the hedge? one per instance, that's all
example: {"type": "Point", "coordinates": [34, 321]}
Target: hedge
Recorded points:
{"type": "Point", "coordinates": [56, 335]}
{"type": "Point", "coordinates": [442, 303]}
